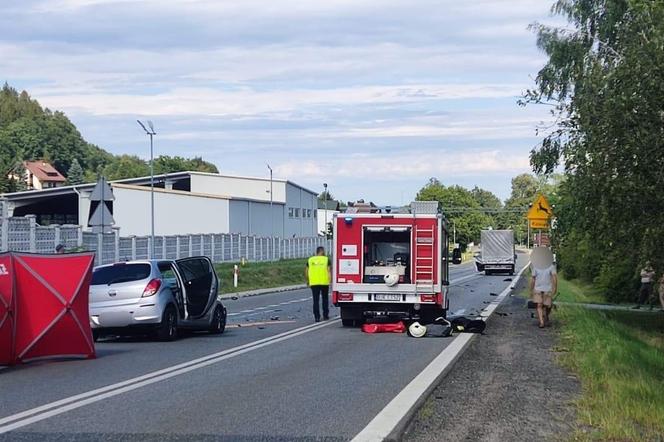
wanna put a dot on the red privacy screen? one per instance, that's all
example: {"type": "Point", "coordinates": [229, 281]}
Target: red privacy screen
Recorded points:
{"type": "Point", "coordinates": [6, 308]}
{"type": "Point", "coordinates": [48, 310]}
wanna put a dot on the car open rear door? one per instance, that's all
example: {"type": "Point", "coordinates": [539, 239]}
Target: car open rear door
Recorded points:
{"type": "Point", "coordinates": [200, 282]}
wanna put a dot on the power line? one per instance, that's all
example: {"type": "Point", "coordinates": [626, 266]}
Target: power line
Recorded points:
{"type": "Point", "coordinates": [461, 209]}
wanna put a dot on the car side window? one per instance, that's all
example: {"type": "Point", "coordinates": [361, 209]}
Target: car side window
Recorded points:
{"type": "Point", "coordinates": [194, 269]}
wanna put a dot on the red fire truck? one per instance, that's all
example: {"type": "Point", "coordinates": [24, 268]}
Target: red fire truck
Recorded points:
{"type": "Point", "coordinates": [390, 264]}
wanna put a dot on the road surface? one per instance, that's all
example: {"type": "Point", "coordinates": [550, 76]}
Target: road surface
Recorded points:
{"type": "Point", "coordinates": [273, 375]}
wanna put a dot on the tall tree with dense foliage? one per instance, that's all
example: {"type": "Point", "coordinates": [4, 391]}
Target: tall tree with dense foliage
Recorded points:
{"type": "Point", "coordinates": [604, 81]}
{"type": "Point", "coordinates": [75, 173]}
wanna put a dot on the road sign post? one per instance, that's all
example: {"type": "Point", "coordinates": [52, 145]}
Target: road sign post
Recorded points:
{"type": "Point", "coordinates": [539, 217]}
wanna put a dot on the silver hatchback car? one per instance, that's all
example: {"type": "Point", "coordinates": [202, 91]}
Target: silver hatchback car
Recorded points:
{"type": "Point", "coordinates": [161, 296]}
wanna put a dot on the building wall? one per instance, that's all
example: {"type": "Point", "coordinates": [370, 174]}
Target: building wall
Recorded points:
{"type": "Point", "coordinates": [321, 218]}
{"type": "Point", "coordinates": [174, 213]}
{"type": "Point", "coordinates": [253, 218]}
{"type": "Point", "coordinates": [238, 187]}
{"type": "Point", "coordinates": [297, 201]}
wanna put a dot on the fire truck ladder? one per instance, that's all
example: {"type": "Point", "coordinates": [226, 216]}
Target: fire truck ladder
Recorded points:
{"type": "Point", "coordinates": [424, 253]}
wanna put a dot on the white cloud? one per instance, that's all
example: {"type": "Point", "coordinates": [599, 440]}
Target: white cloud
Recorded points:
{"type": "Point", "coordinates": [244, 101]}
{"type": "Point", "coordinates": [398, 81]}
{"type": "Point", "coordinates": [407, 165]}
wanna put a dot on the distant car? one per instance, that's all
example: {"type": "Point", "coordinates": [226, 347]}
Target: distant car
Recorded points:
{"type": "Point", "coordinates": [158, 296]}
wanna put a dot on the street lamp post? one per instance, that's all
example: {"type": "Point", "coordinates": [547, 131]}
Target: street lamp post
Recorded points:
{"type": "Point", "coordinates": [271, 213]}
{"type": "Point", "coordinates": [325, 200]}
{"type": "Point", "coordinates": [151, 132]}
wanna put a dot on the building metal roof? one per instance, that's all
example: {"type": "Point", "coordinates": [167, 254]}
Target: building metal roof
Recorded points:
{"type": "Point", "coordinates": [141, 181]}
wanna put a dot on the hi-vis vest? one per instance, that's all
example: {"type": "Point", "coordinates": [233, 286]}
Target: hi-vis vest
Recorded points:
{"type": "Point", "coordinates": [318, 274]}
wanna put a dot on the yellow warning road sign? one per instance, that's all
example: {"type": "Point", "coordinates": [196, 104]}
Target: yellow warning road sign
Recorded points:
{"type": "Point", "coordinates": [540, 210]}
{"type": "Point", "coordinates": [539, 223]}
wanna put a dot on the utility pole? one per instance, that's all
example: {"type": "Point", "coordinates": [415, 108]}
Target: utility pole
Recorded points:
{"type": "Point", "coordinates": [151, 133]}
{"type": "Point", "coordinates": [325, 200]}
{"type": "Point", "coordinates": [271, 214]}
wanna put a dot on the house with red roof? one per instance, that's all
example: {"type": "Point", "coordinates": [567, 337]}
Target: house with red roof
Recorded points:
{"type": "Point", "coordinates": [42, 175]}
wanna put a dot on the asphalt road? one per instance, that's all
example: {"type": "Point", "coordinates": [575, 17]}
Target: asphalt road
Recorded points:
{"type": "Point", "coordinates": [274, 375]}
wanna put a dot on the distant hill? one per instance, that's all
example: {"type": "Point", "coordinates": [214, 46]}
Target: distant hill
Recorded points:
{"type": "Point", "coordinates": [30, 132]}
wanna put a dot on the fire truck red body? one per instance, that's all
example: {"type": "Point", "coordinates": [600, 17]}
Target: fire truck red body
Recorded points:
{"type": "Point", "coordinates": [391, 265]}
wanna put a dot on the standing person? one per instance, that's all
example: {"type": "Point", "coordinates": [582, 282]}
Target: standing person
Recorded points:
{"type": "Point", "coordinates": [318, 276]}
{"type": "Point", "coordinates": [543, 286]}
{"type": "Point", "coordinates": [645, 292]}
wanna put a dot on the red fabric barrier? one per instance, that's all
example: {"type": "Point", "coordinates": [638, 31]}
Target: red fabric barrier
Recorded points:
{"type": "Point", "coordinates": [51, 306]}
{"type": "Point", "coordinates": [6, 309]}
{"type": "Point", "coordinates": [397, 327]}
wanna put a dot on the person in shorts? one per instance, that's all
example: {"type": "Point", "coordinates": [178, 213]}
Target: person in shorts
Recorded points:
{"type": "Point", "coordinates": [543, 287]}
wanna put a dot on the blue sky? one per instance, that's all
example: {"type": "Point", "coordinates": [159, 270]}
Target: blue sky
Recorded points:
{"type": "Point", "coordinates": [371, 96]}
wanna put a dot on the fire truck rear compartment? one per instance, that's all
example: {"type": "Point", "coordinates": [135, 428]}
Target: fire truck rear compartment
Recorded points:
{"type": "Point", "coordinates": [386, 251]}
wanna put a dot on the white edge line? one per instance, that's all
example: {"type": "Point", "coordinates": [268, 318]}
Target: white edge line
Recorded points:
{"type": "Point", "coordinates": [400, 409]}
{"type": "Point", "coordinates": [163, 372]}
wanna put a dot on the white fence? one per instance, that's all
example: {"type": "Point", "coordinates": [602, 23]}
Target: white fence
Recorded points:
{"type": "Point", "coordinates": [24, 234]}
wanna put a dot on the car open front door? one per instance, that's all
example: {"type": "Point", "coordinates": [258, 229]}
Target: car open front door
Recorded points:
{"type": "Point", "coordinates": [200, 282]}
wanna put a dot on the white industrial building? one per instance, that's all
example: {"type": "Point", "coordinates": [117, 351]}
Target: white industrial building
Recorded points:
{"type": "Point", "coordinates": [326, 211]}
{"type": "Point", "coordinates": [185, 202]}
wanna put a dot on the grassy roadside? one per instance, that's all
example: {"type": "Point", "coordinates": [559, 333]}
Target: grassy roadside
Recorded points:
{"type": "Point", "coordinates": [619, 358]}
{"type": "Point", "coordinates": [261, 275]}
{"type": "Point", "coordinates": [577, 291]}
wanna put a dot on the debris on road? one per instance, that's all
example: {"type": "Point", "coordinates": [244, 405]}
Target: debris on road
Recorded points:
{"type": "Point", "coordinates": [274, 318]}
{"type": "Point", "coordinates": [493, 294]}
{"type": "Point", "coordinates": [463, 324]}
{"type": "Point", "coordinates": [507, 279]}
{"type": "Point", "coordinates": [417, 330]}
{"type": "Point", "coordinates": [234, 298]}
{"type": "Point", "coordinates": [397, 327]}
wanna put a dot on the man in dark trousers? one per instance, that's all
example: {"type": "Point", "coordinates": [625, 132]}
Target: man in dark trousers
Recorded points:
{"type": "Point", "coordinates": [645, 292]}
{"type": "Point", "coordinates": [318, 276]}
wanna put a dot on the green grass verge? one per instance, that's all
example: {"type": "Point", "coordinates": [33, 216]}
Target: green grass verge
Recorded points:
{"type": "Point", "coordinates": [261, 275]}
{"type": "Point", "coordinates": [576, 291]}
{"type": "Point", "coordinates": [619, 358]}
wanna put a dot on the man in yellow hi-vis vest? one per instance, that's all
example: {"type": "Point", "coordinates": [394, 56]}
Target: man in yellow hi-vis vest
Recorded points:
{"type": "Point", "coordinates": [318, 277]}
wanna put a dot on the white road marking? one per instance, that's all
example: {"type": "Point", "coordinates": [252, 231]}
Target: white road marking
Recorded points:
{"type": "Point", "coordinates": [465, 278]}
{"type": "Point", "coordinates": [27, 417]}
{"type": "Point", "coordinates": [404, 404]}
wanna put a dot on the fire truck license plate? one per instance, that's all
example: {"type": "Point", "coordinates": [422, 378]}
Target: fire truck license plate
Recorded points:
{"type": "Point", "coordinates": [384, 297]}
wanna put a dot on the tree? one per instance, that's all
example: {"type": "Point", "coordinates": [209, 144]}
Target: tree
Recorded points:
{"type": "Point", "coordinates": [460, 208]}
{"type": "Point", "coordinates": [524, 191]}
{"type": "Point", "coordinates": [485, 198]}
{"type": "Point", "coordinates": [75, 173]}
{"type": "Point", "coordinates": [604, 82]}
{"type": "Point", "coordinates": [325, 195]}
{"type": "Point", "coordinates": [167, 164]}
{"type": "Point", "coordinates": [126, 166]}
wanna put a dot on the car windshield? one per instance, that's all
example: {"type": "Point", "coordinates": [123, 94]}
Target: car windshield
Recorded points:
{"type": "Point", "coordinates": [120, 273]}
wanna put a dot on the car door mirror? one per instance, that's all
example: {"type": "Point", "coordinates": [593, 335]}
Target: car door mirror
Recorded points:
{"type": "Point", "coordinates": [456, 256]}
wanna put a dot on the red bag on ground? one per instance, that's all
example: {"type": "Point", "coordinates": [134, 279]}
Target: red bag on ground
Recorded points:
{"type": "Point", "coordinates": [397, 327]}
